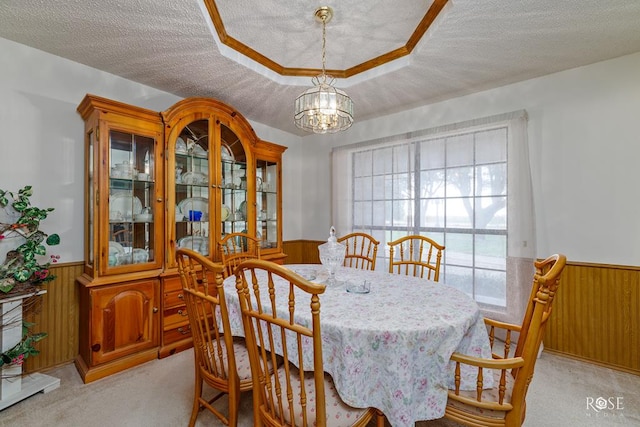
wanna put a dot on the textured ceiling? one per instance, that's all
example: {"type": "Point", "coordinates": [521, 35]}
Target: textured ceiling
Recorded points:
{"type": "Point", "coordinates": [473, 45]}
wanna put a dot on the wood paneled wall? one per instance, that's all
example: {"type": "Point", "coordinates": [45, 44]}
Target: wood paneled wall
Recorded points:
{"type": "Point", "coordinates": [302, 251]}
{"type": "Point", "coordinates": [58, 317]}
{"type": "Point", "coordinates": [596, 316]}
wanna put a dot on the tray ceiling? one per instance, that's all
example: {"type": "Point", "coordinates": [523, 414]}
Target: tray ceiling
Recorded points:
{"type": "Point", "coordinates": [472, 45]}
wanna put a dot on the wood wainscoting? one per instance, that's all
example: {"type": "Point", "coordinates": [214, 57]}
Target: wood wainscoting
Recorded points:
{"type": "Point", "coordinates": [302, 251]}
{"type": "Point", "coordinates": [596, 316]}
{"type": "Point", "coordinates": [57, 315]}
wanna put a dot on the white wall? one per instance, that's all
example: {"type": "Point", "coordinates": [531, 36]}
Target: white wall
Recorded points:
{"type": "Point", "coordinates": [583, 137]}
{"type": "Point", "coordinates": [585, 148]}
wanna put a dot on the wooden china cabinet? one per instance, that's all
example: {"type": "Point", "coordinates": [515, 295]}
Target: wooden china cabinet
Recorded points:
{"type": "Point", "coordinates": [155, 182]}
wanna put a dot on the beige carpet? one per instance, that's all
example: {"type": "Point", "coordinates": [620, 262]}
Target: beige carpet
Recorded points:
{"type": "Point", "coordinates": [159, 393]}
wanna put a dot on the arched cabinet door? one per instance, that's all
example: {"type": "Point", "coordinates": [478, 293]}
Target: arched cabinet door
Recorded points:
{"type": "Point", "coordinates": [210, 176]}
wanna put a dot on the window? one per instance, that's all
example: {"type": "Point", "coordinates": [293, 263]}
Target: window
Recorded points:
{"type": "Point", "coordinates": [453, 185]}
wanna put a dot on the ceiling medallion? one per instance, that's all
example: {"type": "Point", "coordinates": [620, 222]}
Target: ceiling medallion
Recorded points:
{"type": "Point", "coordinates": [323, 108]}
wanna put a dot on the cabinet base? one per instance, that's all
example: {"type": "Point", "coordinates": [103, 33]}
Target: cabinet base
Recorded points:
{"type": "Point", "coordinates": [175, 347]}
{"type": "Point", "coordinates": [93, 373]}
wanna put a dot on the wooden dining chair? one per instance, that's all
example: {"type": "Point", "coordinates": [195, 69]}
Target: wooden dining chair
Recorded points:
{"type": "Point", "coordinates": [504, 404]}
{"type": "Point", "coordinates": [221, 361]}
{"type": "Point", "coordinates": [238, 247]}
{"type": "Point", "coordinates": [271, 297]}
{"type": "Point", "coordinates": [415, 255]}
{"type": "Point", "coordinates": [362, 250]}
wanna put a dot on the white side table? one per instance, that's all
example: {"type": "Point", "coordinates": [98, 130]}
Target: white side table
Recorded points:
{"type": "Point", "coordinates": [14, 386]}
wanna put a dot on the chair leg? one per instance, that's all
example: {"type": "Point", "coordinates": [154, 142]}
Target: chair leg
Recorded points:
{"type": "Point", "coordinates": [234, 405]}
{"type": "Point", "coordinates": [196, 399]}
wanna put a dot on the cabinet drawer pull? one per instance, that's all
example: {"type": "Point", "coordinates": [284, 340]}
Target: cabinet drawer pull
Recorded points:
{"type": "Point", "coordinates": [183, 331]}
{"type": "Point", "coordinates": [155, 309]}
{"type": "Point", "coordinates": [180, 296]}
{"type": "Point", "coordinates": [183, 312]}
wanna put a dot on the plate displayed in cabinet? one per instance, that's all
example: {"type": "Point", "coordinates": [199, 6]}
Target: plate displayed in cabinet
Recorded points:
{"type": "Point", "coordinates": [194, 178]}
{"type": "Point", "coordinates": [123, 206]}
{"type": "Point", "coordinates": [243, 209]}
{"type": "Point", "coordinates": [197, 243]}
{"type": "Point", "coordinates": [194, 204]}
{"type": "Point", "coordinates": [140, 255]}
{"type": "Point", "coordinates": [181, 146]}
{"type": "Point", "coordinates": [225, 212]}
{"type": "Point", "coordinates": [198, 151]}
{"type": "Point", "coordinates": [116, 253]}
{"type": "Point", "coordinates": [115, 248]}
{"type": "Point", "coordinates": [226, 154]}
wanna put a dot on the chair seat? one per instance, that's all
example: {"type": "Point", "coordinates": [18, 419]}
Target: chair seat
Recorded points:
{"type": "Point", "coordinates": [241, 355]}
{"type": "Point", "coordinates": [488, 395]}
{"type": "Point", "coordinates": [243, 366]}
{"type": "Point", "coordinates": [338, 413]}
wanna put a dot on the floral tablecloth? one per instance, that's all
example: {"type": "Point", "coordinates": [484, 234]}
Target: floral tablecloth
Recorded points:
{"type": "Point", "coordinates": [390, 348]}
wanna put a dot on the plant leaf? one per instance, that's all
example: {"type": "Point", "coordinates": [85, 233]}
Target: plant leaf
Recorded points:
{"type": "Point", "coordinates": [26, 190]}
{"type": "Point", "coordinates": [53, 240]}
{"type": "Point", "coordinates": [22, 275]}
{"type": "Point", "coordinates": [19, 205]}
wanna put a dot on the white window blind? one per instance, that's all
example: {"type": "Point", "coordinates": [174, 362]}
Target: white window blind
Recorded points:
{"type": "Point", "coordinates": [467, 186]}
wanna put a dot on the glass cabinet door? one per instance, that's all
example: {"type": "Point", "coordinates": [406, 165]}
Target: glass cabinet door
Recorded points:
{"type": "Point", "coordinates": [235, 209]}
{"type": "Point", "coordinates": [132, 200]}
{"type": "Point", "coordinates": [267, 186]}
{"type": "Point", "coordinates": [191, 175]}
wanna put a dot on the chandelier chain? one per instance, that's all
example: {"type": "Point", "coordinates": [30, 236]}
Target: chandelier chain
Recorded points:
{"type": "Point", "coordinates": [324, 49]}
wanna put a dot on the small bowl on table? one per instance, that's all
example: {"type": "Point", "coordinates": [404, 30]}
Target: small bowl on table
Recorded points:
{"type": "Point", "coordinates": [358, 287]}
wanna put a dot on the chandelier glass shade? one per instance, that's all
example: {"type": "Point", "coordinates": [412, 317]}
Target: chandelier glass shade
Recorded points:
{"type": "Point", "coordinates": [323, 108]}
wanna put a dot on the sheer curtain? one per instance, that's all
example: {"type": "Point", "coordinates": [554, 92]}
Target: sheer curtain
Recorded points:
{"type": "Point", "coordinates": [378, 189]}
{"type": "Point", "coordinates": [368, 190]}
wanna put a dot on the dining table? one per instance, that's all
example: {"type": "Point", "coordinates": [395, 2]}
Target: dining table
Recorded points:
{"type": "Point", "coordinates": [390, 348]}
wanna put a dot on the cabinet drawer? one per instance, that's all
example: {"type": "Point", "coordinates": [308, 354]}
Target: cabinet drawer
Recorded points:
{"type": "Point", "coordinates": [176, 334]}
{"type": "Point", "coordinates": [173, 299]}
{"type": "Point", "coordinates": [174, 284]}
{"type": "Point", "coordinates": [175, 316]}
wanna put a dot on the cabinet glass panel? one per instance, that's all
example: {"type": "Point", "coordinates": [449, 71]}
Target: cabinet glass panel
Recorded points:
{"type": "Point", "coordinates": [234, 210]}
{"type": "Point", "coordinates": [192, 187]}
{"type": "Point", "coordinates": [267, 202]}
{"type": "Point", "coordinates": [131, 194]}
{"type": "Point", "coordinates": [91, 196]}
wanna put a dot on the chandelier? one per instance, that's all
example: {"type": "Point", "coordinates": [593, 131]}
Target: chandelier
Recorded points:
{"type": "Point", "coordinates": [323, 108]}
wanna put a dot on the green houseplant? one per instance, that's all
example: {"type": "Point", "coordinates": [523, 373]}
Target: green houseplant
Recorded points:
{"type": "Point", "coordinates": [22, 272]}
